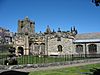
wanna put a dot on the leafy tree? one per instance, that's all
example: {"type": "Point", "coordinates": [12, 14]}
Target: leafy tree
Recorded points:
{"type": "Point", "coordinates": [97, 2]}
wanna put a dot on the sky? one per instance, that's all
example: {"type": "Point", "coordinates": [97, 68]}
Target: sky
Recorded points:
{"type": "Point", "coordinates": [63, 14]}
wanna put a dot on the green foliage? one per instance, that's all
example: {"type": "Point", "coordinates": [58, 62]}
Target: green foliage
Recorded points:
{"type": "Point", "coordinates": [4, 48]}
{"type": "Point", "coordinates": [80, 70]}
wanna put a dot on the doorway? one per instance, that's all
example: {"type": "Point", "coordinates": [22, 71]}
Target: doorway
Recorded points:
{"type": "Point", "coordinates": [20, 50]}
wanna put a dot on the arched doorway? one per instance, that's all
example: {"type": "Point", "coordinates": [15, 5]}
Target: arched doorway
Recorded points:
{"type": "Point", "coordinates": [20, 50]}
{"type": "Point", "coordinates": [59, 48]}
{"type": "Point", "coordinates": [92, 48]}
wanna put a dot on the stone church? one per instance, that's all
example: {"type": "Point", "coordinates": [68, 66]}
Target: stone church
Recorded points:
{"type": "Point", "coordinates": [27, 41]}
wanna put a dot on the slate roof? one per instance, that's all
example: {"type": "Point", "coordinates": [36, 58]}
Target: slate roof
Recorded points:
{"type": "Point", "coordinates": [87, 40]}
{"type": "Point", "coordinates": [86, 36]}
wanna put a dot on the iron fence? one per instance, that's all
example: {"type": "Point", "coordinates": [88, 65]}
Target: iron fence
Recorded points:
{"type": "Point", "coordinates": [37, 59]}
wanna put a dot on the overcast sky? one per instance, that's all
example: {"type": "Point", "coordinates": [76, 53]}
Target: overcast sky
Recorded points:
{"type": "Point", "coordinates": [82, 14]}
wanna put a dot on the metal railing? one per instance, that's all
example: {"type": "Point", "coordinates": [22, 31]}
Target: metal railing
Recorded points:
{"type": "Point", "coordinates": [37, 59]}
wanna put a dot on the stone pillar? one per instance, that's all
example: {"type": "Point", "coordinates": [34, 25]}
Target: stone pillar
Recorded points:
{"type": "Point", "coordinates": [40, 49]}
{"type": "Point", "coordinates": [86, 52]}
{"type": "Point", "coordinates": [46, 45]}
{"type": "Point", "coordinates": [84, 49]}
{"type": "Point", "coordinates": [16, 51]}
{"type": "Point", "coordinates": [26, 51]}
{"type": "Point", "coordinates": [98, 47]}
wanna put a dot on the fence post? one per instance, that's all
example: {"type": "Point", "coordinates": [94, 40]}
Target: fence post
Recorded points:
{"type": "Point", "coordinates": [44, 58]}
{"type": "Point", "coordinates": [65, 57]}
{"type": "Point", "coordinates": [72, 57]}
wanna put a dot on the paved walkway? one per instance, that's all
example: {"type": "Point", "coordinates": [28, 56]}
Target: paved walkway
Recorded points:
{"type": "Point", "coordinates": [52, 67]}
{"type": "Point", "coordinates": [55, 67]}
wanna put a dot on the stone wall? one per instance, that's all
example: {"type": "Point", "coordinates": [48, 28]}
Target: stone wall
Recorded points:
{"type": "Point", "coordinates": [66, 43]}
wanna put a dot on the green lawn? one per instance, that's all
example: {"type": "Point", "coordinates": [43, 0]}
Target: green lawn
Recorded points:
{"type": "Point", "coordinates": [80, 70]}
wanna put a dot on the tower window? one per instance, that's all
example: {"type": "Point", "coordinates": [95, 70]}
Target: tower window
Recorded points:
{"type": "Point", "coordinates": [59, 39]}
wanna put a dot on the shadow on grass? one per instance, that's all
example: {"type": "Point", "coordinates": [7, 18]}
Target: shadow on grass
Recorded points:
{"type": "Point", "coordinates": [11, 72]}
{"type": "Point", "coordinates": [95, 71]}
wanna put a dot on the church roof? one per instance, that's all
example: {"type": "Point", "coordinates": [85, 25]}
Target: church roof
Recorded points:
{"type": "Point", "coordinates": [86, 36]}
{"type": "Point", "coordinates": [87, 40]}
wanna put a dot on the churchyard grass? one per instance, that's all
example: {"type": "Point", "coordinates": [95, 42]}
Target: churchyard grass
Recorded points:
{"type": "Point", "coordinates": [80, 70]}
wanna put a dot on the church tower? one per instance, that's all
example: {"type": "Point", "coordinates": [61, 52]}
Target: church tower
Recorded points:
{"type": "Point", "coordinates": [26, 26]}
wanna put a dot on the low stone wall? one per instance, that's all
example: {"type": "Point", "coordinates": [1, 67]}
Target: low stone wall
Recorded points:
{"type": "Point", "coordinates": [9, 67]}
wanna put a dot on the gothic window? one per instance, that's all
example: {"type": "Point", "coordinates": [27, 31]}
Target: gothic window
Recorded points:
{"type": "Point", "coordinates": [59, 39]}
{"type": "Point", "coordinates": [79, 49]}
{"type": "Point", "coordinates": [21, 21]}
{"type": "Point", "coordinates": [36, 47]}
{"type": "Point", "coordinates": [92, 48]}
{"type": "Point", "coordinates": [42, 48]}
{"type": "Point", "coordinates": [21, 26]}
{"type": "Point", "coordinates": [59, 48]}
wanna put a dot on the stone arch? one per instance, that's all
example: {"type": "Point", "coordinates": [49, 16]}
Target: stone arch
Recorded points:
{"type": "Point", "coordinates": [21, 50]}
{"type": "Point", "coordinates": [59, 48]}
{"type": "Point", "coordinates": [35, 43]}
{"type": "Point", "coordinates": [79, 49]}
{"type": "Point", "coordinates": [42, 44]}
{"type": "Point", "coordinates": [92, 48]}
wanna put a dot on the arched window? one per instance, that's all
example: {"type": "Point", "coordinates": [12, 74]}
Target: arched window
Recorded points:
{"type": "Point", "coordinates": [42, 45]}
{"type": "Point", "coordinates": [36, 48]}
{"type": "Point", "coordinates": [92, 48]}
{"type": "Point", "coordinates": [79, 49]}
{"type": "Point", "coordinates": [21, 50]}
{"type": "Point", "coordinates": [59, 48]}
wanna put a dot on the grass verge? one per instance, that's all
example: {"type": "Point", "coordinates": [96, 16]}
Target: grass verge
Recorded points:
{"type": "Point", "coordinates": [80, 70]}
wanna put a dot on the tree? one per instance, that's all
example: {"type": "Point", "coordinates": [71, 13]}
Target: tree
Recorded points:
{"type": "Point", "coordinates": [97, 2]}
